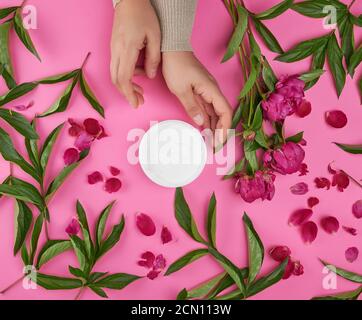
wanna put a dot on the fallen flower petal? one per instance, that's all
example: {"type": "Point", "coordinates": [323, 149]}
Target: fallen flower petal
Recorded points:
{"type": "Point", "coordinates": [114, 171]}
{"type": "Point", "coordinates": [341, 180]}
{"type": "Point", "coordinates": [312, 202]}
{"type": "Point", "coordinates": [75, 128]}
{"type": "Point", "coordinates": [102, 134]}
{"type": "Point", "coordinates": [303, 109]}
{"type": "Point", "coordinates": [145, 224]}
{"type": "Point", "coordinates": [95, 177]}
{"type": "Point", "coordinates": [280, 253]}
{"type": "Point", "coordinates": [153, 274]}
{"type": "Point", "coordinates": [298, 268]}
{"type": "Point", "coordinates": [148, 260]}
{"type": "Point", "coordinates": [357, 209]}
{"type": "Point", "coordinates": [300, 188]}
{"type": "Point", "coordinates": [299, 217]}
{"type": "Point", "coordinates": [71, 156]}
{"type": "Point", "coordinates": [351, 254]}
{"type": "Point", "coordinates": [330, 224]}
{"type": "Point", "coordinates": [113, 185]}
{"type": "Point", "coordinates": [322, 183]}
{"type": "Point", "coordinates": [309, 232]}
{"type": "Point", "coordinates": [166, 235]}
{"type": "Point", "coordinates": [336, 118]}
{"type": "Point", "coordinates": [288, 269]}
{"type": "Point", "coordinates": [92, 126]}
{"type": "Point", "coordinates": [73, 228]}
{"type": "Point", "coordinates": [303, 170]}
{"type": "Point", "coordinates": [350, 230]}
{"type": "Point", "coordinates": [23, 107]}
{"type": "Point", "coordinates": [160, 262]}
{"type": "Point", "coordinates": [331, 170]}
{"type": "Point", "coordinates": [83, 141]}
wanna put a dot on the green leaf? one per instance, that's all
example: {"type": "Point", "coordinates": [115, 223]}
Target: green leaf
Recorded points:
{"type": "Point", "coordinates": [356, 20]}
{"type": "Point", "coordinates": [253, 76]}
{"type": "Point", "coordinates": [17, 92]}
{"type": "Point", "coordinates": [38, 225]}
{"type": "Point", "coordinates": [356, 59]}
{"type": "Point", "coordinates": [96, 275]}
{"type": "Point", "coordinates": [296, 138]}
{"type": "Point", "coordinates": [350, 148]}
{"type": "Point", "coordinates": [318, 61]}
{"type": "Point", "coordinates": [23, 220]}
{"type": "Point", "coordinates": [112, 239]}
{"type": "Point", "coordinates": [59, 180]}
{"type": "Point", "coordinates": [347, 37]}
{"type": "Point", "coordinates": [238, 34]}
{"type": "Point", "coordinates": [24, 254]}
{"type": "Point", "coordinates": [8, 78]}
{"type": "Point", "coordinates": [312, 8]}
{"type": "Point", "coordinates": [89, 95]}
{"type": "Point", "coordinates": [51, 249]}
{"type": "Point", "coordinates": [77, 272]}
{"type": "Point", "coordinates": [99, 291]}
{"type": "Point", "coordinates": [55, 283]}
{"type": "Point", "coordinates": [255, 249]}
{"type": "Point", "coordinates": [261, 139]}
{"type": "Point", "coordinates": [258, 118]}
{"type": "Point", "coordinates": [80, 251]}
{"type": "Point", "coordinates": [211, 221]}
{"type": "Point", "coordinates": [186, 260]}
{"type": "Point", "coordinates": [230, 268]}
{"type": "Point", "coordinates": [335, 60]}
{"type": "Point", "coordinates": [4, 47]}
{"type": "Point", "coordinates": [269, 77]}
{"type": "Point", "coordinates": [101, 223]}
{"type": "Point", "coordinates": [32, 149]}
{"type": "Point", "coordinates": [23, 34]}
{"type": "Point", "coordinates": [117, 281]}
{"type": "Point", "coordinates": [238, 113]}
{"type": "Point", "coordinates": [7, 11]}
{"type": "Point", "coordinates": [184, 216]}
{"type": "Point", "coordinates": [311, 75]}
{"type": "Point", "coordinates": [267, 281]}
{"type": "Point", "coordinates": [48, 147]}
{"type": "Point", "coordinates": [351, 276]}
{"type": "Point", "coordinates": [349, 295]}
{"type": "Point", "coordinates": [60, 77]}
{"type": "Point", "coordinates": [205, 288]}
{"type": "Point", "coordinates": [82, 217]}
{"type": "Point", "coordinates": [303, 49]}
{"type": "Point", "coordinates": [250, 155]}
{"type": "Point", "coordinates": [276, 10]}
{"type": "Point", "coordinates": [63, 101]}
{"type": "Point", "coordinates": [182, 295]}
{"type": "Point", "coordinates": [269, 39]}
{"type": "Point", "coordinates": [19, 123]}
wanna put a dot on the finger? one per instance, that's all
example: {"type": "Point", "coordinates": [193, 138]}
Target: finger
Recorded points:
{"type": "Point", "coordinates": [201, 103]}
{"type": "Point", "coordinates": [140, 99]}
{"type": "Point", "coordinates": [139, 71]}
{"type": "Point", "coordinates": [138, 88]}
{"type": "Point", "coordinates": [153, 56]}
{"type": "Point", "coordinates": [114, 68]}
{"type": "Point", "coordinates": [213, 116]}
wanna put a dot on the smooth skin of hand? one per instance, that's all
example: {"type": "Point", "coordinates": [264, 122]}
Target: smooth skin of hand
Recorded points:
{"type": "Point", "coordinates": [198, 92]}
{"type": "Point", "coordinates": [135, 27]}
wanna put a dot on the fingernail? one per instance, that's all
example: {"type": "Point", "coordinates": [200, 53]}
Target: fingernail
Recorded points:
{"type": "Point", "coordinates": [133, 104]}
{"type": "Point", "coordinates": [199, 120]}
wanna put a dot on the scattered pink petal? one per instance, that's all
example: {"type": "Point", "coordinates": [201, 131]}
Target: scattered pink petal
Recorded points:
{"type": "Point", "coordinates": [331, 170]}
{"type": "Point", "coordinates": [23, 107]}
{"type": "Point", "coordinates": [322, 183]}
{"type": "Point", "coordinates": [350, 230]}
{"type": "Point", "coordinates": [303, 109]}
{"type": "Point", "coordinates": [288, 269]}
{"type": "Point", "coordinates": [298, 268]}
{"type": "Point", "coordinates": [95, 177]}
{"type": "Point", "coordinates": [83, 141]}
{"type": "Point", "coordinates": [148, 260]}
{"type": "Point", "coordinates": [299, 217]}
{"type": "Point", "coordinates": [312, 202]}
{"type": "Point", "coordinates": [92, 126]}
{"type": "Point", "coordinates": [330, 224]}
{"type": "Point", "coordinates": [341, 180]}
{"type": "Point", "coordinates": [299, 188]}
{"type": "Point", "coordinates": [145, 224]}
{"type": "Point", "coordinates": [351, 254]}
{"type": "Point", "coordinates": [303, 143]}
{"type": "Point", "coordinates": [309, 232]}
{"type": "Point", "coordinates": [71, 156]}
{"type": "Point", "coordinates": [153, 274]}
{"type": "Point", "coordinates": [336, 118]}
{"type": "Point", "coordinates": [102, 134]}
{"type": "Point", "coordinates": [166, 235]}
{"type": "Point", "coordinates": [357, 209]}
{"type": "Point", "coordinates": [160, 263]}
{"type": "Point", "coordinates": [73, 228]}
{"type": "Point", "coordinates": [75, 128]}
{"type": "Point", "coordinates": [280, 253]}
{"type": "Point", "coordinates": [303, 170]}
{"type": "Point", "coordinates": [114, 171]}
{"type": "Point", "coordinates": [113, 185]}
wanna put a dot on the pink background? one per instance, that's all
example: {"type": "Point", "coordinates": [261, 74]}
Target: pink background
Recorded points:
{"type": "Point", "coordinates": [67, 30]}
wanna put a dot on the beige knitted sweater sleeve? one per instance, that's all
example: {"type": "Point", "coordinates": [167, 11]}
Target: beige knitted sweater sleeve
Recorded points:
{"type": "Point", "coordinates": [176, 20]}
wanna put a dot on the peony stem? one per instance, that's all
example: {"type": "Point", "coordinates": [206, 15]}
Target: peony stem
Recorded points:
{"type": "Point", "coordinates": [12, 285]}
{"type": "Point", "coordinates": [351, 4]}
{"type": "Point", "coordinates": [85, 60]}
{"type": "Point", "coordinates": [79, 293]}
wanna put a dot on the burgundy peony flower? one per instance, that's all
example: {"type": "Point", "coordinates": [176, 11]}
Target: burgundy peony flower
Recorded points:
{"type": "Point", "coordinates": [261, 186]}
{"type": "Point", "coordinates": [286, 160]}
{"type": "Point", "coordinates": [73, 228]}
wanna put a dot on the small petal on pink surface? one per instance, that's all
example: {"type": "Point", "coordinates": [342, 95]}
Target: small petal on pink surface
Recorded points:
{"type": "Point", "coordinates": [73, 228]}
{"type": "Point", "coordinates": [309, 232]}
{"type": "Point", "coordinates": [298, 268]}
{"type": "Point", "coordinates": [160, 263]}
{"type": "Point", "coordinates": [357, 209]}
{"type": "Point", "coordinates": [83, 141]}
{"type": "Point", "coordinates": [92, 126]}
{"type": "Point", "coordinates": [330, 224]}
{"type": "Point", "coordinates": [280, 253]}
{"type": "Point", "coordinates": [145, 224]}
{"type": "Point", "coordinates": [300, 188]}
{"type": "Point", "coordinates": [114, 171]}
{"type": "Point", "coordinates": [148, 260]}
{"type": "Point", "coordinates": [299, 217]}
{"type": "Point", "coordinates": [350, 230]}
{"type": "Point", "coordinates": [303, 170]}
{"type": "Point", "coordinates": [71, 156]}
{"type": "Point", "coordinates": [331, 170]}
{"type": "Point", "coordinates": [166, 235]}
{"type": "Point", "coordinates": [102, 134]}
{"type": "Point", "coordinates": [303, 109]}
{"type": "Point", "coordinates": [336, 119]}
{"type": "Point", "coordinates": [312, 202]}
{"type": "Point", "coordinates": [351, 254]}
{"type": "Point", "coordinates": [113, 185]}
{"type": "Point", "coordinates": [341, 180]}
{"type": "Point", "coordinates": [95, 177]}
{"type": "Point", "coordinates": [23, 107]}
{"type": "Point", "coordinates": [322, 183]}
{"type": "Point", "coordinates": [75, 128]}
{"type": "Point", "coordinates": [153, 274]}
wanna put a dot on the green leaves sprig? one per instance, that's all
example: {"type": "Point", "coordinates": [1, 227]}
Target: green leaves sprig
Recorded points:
{"type": "Point", "coordinates": [14, 20]}
{"type": "Point", "coordinates": [247, 280]}
{"type": "Point", "coordinates": [88, 250]}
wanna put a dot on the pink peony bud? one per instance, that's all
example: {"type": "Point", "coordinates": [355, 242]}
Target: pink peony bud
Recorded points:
{"type": "Point", "coordinates": [309, 232]}
{"type": "Point", "coordinates": [279, 253]}
{"type": "Point", "coordinates": [145, 224]}
{"type": "Point", "coordinates": [300, 188]}
{"type": "Point", "coordinates": [299, 217]}
{"type": "Point", "coordinates": [73, 227]}
{"type": "Point", "coordinates": [357, 209]}
{"type": "Point", "coordinates": [336, 119]}
{"type": "Point", "coordinates": [330, 224]}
